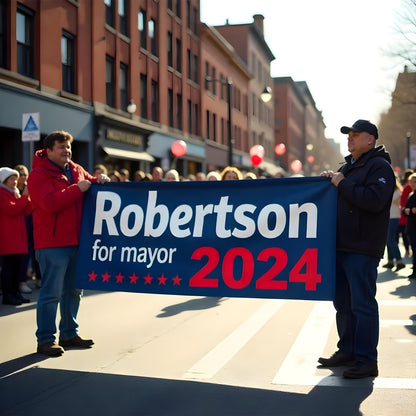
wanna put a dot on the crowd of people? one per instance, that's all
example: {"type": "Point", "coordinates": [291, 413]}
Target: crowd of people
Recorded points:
{"type": "Point", "coordinates": [172, 175]}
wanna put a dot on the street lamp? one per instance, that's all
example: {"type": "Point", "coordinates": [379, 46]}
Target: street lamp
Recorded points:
{"type": "Point", "coordinates": [266, 96]}
{"type": "Point", "coordinates": [408, 149]}
{"type": "Point", "coordinates": [131, 107]}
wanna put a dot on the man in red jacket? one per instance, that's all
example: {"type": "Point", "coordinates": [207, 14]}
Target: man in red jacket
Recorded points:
{"type": "Point", "coordinates": [56, 186]}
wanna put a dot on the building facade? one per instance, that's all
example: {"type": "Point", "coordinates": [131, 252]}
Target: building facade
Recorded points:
{"type": "Point", "coordinates": [249, 43]}
{"type": "Point", "coordinates": [79, 64]}
{"type": "Point", "coordinates": [127, 78]}
{"type": "Point", "coordinates": [299, 125]}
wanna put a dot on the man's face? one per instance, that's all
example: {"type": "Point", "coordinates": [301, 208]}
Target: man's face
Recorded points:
{"type": "Point", "coordinates": [60, 153]}
{"type": "Point", "coordinates": [359, 142]}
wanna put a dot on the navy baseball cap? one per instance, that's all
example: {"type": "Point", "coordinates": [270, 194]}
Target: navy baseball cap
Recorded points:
{"type": "Point", "coordinates": [361, 125]}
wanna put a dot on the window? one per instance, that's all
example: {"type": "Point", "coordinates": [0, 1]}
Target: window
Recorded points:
{"type": "Point", "coordinates": [179, 111]}
{"type": "Point", "coordinates": [123, 86]}
{"type": "Point", "coordinates": [208, 121]}
{"type": "Point", "coordinates": [152, 36]}
{"type": "Point", "coordinates": [170, 107]}
{"type": "Point", "coordinates": [154, 101]}
{"type": "Point", "coordinates": [109, 81]}
{"type": "Point", "coordinates": [222, 86]}
{"type": "Point", "coordinates": [169, 47]}
{"type": "Point", "coordinates": [122, 14]}
{"type": "Point", "coordinates": [214, 127]}
{"type": "Point", "coordinates": [3, 35]}
{"type": "Point", "coordinates": [206, 75]}
{"type": "Point", "coordinates": [195, 20]}
{"type": "Point", "coordinates": [188, 14]}
{"type": "Point", "coordinates": [195, 68]}
{"type": "Point", "coordinates": [142, 25]}
{"type": "Point", "coordinates": [170, 5]}
{"type": "Point", "coordinates": [68, 64]}
{"type": "Point", "coordinates": [109, 12]}
{"type": "Point", "coordinates": [143, 95]}
{"type": "Point", "coordinates": [188, 64]}
{"type": "Point", "coordinates": [189, 116]}
{"type": "Point", "coordinates": [179, 55]}
{"type": "Point", "coordinates": [24, 36]}
{"type": "Point", "coordinates": [196, 118]}
{"type": "Point", "coordinates": [178, 8]}
{"type": "Point", "coordinates": [214, 83]}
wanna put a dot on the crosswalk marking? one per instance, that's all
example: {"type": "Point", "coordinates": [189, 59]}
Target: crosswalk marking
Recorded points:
{"type": "Point", "coordinates": [300, 363]}
{"type": "Point", "coordinates": [209, 365]}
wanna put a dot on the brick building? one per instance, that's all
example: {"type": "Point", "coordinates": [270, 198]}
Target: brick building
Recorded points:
{"type": "Point", "coordinates": [79, 64]}
{"type": "Point", "coordinates": [299, 125]}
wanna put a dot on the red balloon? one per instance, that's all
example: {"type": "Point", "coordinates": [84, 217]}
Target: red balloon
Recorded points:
{"type": "Point", "coordinates": [280, 149]}
{"type": "Point", "coordinates": [178, 148]}
{"type": "Point", "coordinates": [256, 160]}
{"type": "Point", "coordinates": [296, 166]}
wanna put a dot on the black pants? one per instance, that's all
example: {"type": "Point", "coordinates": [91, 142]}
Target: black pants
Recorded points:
{"type": "Point", "coordinates": [10, 273]}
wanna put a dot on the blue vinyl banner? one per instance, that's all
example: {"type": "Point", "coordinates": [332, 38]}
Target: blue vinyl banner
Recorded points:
{"type": "Point", "coordinates": [263, 238]}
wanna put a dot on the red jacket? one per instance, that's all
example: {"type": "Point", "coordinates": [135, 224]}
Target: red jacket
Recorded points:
{"type": "Point", "coordinates": [13, 234]}
{"type": "Point", "coordinates": [403, 199]}
{"type": "Point", "coordinates": [57, 204]}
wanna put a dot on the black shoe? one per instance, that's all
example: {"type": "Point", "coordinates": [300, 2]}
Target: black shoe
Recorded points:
{"type": "Point", "coordinates": [362, 370]}
{"type": "Point", "coordinates": [76, 342]}
{"type": "Point", "coordinates": [389, 265]}
{"type": "Point", "coordinates": [399, 267]}
{"type": "Point", "coordinates": [337, 359]}
{"type": "Point", "coordinates": [22, 299]}
{"type": "Point", "coordinates": [11, 300]}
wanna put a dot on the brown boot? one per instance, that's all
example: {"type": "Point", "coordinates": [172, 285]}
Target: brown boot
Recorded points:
{"type": "Point", "coordinates": [51, 349]}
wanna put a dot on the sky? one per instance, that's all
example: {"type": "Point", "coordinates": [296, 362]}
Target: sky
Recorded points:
{"type": "Point", "coordinates": [340, 48]}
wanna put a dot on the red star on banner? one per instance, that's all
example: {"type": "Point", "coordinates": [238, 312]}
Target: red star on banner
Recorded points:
{"type": "Point", "coordinates": [176, 280]}
{"type": "Point", "coordinates": [119, 278]}
{"type": "Point", "coordinates": [106, 277]}
{"type": "Point", "coordinates": [162, 280]}
{"type": "Point", "coordinates": [92, 276]}
{"type": "Point", "coordinates": [133, 278]}
{"type": "Point", "coordinates": [148, 280]}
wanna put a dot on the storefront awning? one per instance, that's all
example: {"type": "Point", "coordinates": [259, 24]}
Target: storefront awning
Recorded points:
{"type": "Point", "coordinates": [128, 154]}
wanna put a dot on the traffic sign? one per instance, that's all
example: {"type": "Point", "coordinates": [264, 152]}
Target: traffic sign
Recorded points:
{"type": "Point", "coordinates": [30, 127]}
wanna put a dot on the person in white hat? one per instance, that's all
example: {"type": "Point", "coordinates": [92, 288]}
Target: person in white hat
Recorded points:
{"type": "Point", "coordinates": [13, 236]}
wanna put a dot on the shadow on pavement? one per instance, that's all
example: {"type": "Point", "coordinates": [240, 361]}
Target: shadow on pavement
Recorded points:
{"type": "Point", "coordinates": [407, 290]}
{"type": "Point", "coordinates": [37, 391]}
{"type": "Point", "coordinates": [18, 364]}
{"type": "Point", "coordinates": [190, 305]}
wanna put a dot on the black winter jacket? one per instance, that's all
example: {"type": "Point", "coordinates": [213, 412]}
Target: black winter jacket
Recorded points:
{"type": "Point", "coordinates": [364, 199]}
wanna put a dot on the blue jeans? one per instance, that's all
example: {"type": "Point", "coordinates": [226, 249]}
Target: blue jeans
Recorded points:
{"type": "Point", "coordinates": [393, 251]}
{"type": "Point", "coordinates": [58, 270]}
{"type": "Point", "coordinates": [356, 305]}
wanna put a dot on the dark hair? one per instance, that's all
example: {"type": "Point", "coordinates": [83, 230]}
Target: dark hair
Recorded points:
{"type": "Point", "coordinates": [56, 136]}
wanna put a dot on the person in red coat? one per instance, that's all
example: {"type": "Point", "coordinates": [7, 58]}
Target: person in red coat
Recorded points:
{"type": "Point", "coordinates": [57, 186]}
{"type": "Point", "coordinates": [13, 236]}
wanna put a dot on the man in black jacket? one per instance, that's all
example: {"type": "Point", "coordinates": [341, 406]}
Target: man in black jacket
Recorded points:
{"type": "Point", "coordinates": [365, 186]}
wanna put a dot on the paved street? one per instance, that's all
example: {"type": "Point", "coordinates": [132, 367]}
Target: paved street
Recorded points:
{"type": "Point", "coordinates": [171, 355]}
